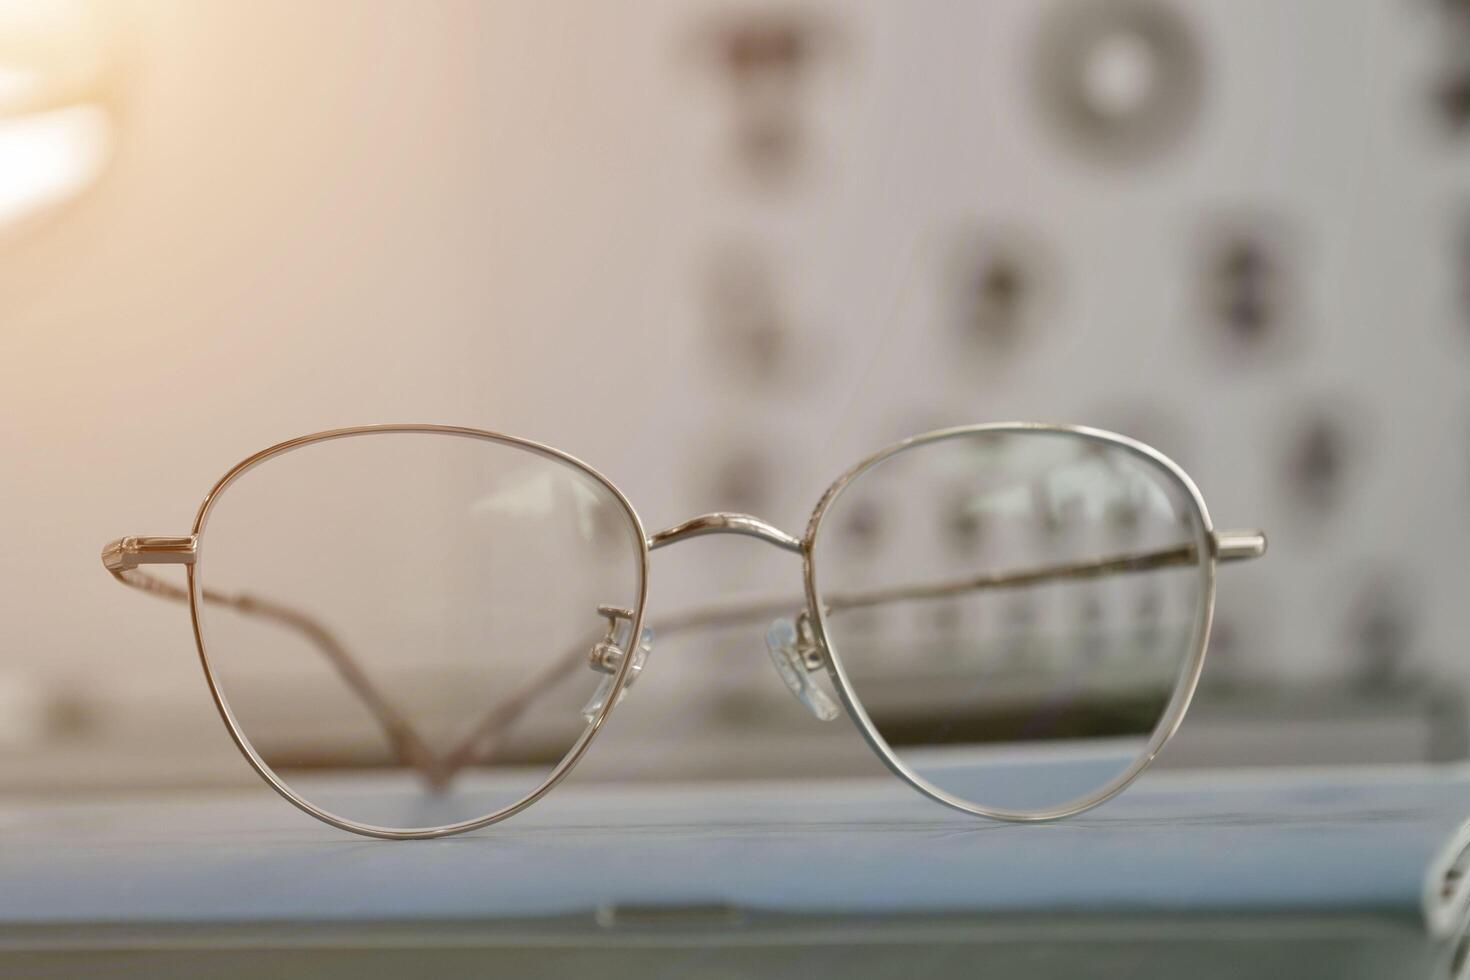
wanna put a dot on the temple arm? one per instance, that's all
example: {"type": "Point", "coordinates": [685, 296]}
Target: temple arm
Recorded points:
{"type": "Point", "coordinates": [1225, 546]}
{"type": "Point", "coordinates": [122, 558]}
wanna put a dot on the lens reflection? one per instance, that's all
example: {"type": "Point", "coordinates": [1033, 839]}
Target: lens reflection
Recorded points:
{"type": "Point", "coordinates": [400, 622]}
{"type": "Point", "coordinates": [1021, 631]}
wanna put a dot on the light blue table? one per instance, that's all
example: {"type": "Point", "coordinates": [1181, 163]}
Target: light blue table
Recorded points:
{"type": "Point", "coordinates": [1320, 873]}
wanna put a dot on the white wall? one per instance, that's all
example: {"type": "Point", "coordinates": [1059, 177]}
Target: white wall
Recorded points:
{"type": "Point", "coordinates": [502, 216]}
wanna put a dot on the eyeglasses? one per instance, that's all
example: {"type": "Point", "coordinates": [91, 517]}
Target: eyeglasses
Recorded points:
{"type": "Point", "coordinates": [417, 630]}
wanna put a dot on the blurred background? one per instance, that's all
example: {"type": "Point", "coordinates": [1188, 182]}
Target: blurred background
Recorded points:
{"type": "Point", "coordinates": [721, 251]}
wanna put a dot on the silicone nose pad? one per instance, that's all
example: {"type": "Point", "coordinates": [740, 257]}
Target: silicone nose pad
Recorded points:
{"type": "Point", "coordinates": [781, 640]}
{"type": "Point", "coordinates": [605, 657]}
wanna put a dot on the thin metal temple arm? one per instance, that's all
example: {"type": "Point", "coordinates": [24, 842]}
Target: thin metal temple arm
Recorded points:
{"type": "Point", "coordinates": [122, 557]}
{"type": "Point", "coordinates": [1226, 545]}
{"type": "Point", "coordinates": [405, 740]}
{"type": "Point", "coordinates": [486, 736]}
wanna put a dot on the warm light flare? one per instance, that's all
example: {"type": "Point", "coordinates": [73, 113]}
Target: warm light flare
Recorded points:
{"type": "Point", "coordinates": [56, 130]}
{"type": "Point", "coordinates": [47, 157]}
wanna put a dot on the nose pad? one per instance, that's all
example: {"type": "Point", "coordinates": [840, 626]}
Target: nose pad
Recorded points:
{"type": "Point", "coordinates": [795, 653]}
{"type": "Point", "coordinates": [607, 656]}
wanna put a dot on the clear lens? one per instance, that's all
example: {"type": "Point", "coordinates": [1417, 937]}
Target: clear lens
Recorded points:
{"type": "Point", "coordinates": [1015, 610]}
{"type": "Point", "coordinates": [400, 622]}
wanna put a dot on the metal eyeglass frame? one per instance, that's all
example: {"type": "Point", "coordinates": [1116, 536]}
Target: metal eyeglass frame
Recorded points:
{"type": "Point", "coordinates": [123, 558]}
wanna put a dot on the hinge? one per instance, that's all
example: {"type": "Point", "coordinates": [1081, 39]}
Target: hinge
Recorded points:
{"type": "Point", "coordinates": [126, 553]}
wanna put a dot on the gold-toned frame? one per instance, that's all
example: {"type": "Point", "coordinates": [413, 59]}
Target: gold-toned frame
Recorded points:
{"type": "Point", "coordinates": [1207, 549]}
{"type": "Point", "coordinates": [124, 557]}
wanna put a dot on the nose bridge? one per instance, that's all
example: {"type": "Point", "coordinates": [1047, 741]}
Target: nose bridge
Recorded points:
{"type": "Point", "coordinates": [723, 523]}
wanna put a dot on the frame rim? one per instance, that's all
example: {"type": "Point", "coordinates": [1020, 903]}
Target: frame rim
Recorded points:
{"type": "Point", "coordinates": [262, 769]}
{"type": "Point", "coordinates": [1184, 686]}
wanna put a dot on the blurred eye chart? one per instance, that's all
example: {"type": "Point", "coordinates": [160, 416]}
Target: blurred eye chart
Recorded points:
{"type": "Point", "coordinates": [1240, 232]}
